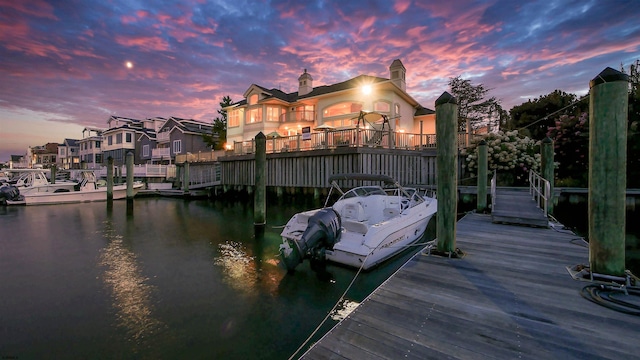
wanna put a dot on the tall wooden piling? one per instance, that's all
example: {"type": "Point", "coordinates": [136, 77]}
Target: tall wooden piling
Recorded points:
{"type": "Point", "coordinates": [53, 173]}
{"type": "Point", "coordinates": [185, 177]}
{"type": "Point", "coordinates": [481, 203]}
{"type": "Point", "coordinates": [548, 172]}
{"type": "Point", "coordinates": [608, 111]}
{"type": "Point", "coordinates": [446, 172]}
{"type": "Point", "coordinates": [259, 202]}
{"type": "Point", "coordinates": [110, 179]}
{"type": "Point", "coordinates": [129, 161]}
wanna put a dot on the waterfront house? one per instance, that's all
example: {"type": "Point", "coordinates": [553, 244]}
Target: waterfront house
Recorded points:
{"type": "Point", "coordinates": [69, 154]}
{"type": "Point", "coordinates": [336, 106]}
{"type": "Point", "coordinates": [129, 135]}
{"type": "Point", "coordinates": [90, 148]}
{"type": "Point", "coordinates": [43, 156]}
{"type": "Point", "coordinates": [179, 136]}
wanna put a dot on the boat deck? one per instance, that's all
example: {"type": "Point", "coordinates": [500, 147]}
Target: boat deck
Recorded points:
{"type": "Point", "coordinates": [509, 297]}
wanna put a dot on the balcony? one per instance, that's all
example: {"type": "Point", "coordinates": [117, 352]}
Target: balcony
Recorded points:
{"type": "Point", "coordinates": [298, 116]}
{"type": "Point", "coordinates": [163, 137]}
{"type": "Point", "coordinates": [160, 153]}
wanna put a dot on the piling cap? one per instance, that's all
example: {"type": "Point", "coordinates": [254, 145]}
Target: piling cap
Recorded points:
{"type": "Point", "coordinates": [608, 75]}
{"type": "Point", "coordinates": [547, 140]}
{"type": "Point", "coordinates": [446, 98]}
{"type": "Point", "coordinates": [260, 136]}
{"type": "Point", "coordinates": [482, 142]}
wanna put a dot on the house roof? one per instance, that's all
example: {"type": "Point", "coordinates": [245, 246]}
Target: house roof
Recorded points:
{"type": "Point", "coordinates": [353, 83]}
{"type": "Point", "coordinates": [70, 142]}
{"type": "Point", "coordinates": [188, 125]}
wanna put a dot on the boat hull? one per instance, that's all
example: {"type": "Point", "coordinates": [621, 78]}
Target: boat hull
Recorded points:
{"type": "Point", "coordinates": [99, 194]}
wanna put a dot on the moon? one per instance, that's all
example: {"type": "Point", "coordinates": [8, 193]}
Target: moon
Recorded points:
{"type": "Point", "coordinates": [128, 64]}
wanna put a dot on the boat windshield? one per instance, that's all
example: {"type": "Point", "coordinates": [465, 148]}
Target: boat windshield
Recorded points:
{"type": "Point", "coordinates": [363, 191]}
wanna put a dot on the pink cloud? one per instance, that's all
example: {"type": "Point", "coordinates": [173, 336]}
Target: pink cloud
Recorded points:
{"type": "Point", "coordinates": [147, 43]}
{"type": "Point", "coordinates": [401, 6]}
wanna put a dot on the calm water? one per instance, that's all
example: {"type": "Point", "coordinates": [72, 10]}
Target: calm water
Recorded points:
{"type": "Point", "coordinates": [170, 279]}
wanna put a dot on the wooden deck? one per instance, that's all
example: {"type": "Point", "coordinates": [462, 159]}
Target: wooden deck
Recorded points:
{"type": "Point", "coordinates": [516, 206]}
{"type": "Point", "coordinates": [509, 297]}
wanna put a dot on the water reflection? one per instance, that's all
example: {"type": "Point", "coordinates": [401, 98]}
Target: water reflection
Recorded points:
{"type": "Point", "coordinates": [129, 289]}
{"type": "Point", "coordinates": [238, 266]}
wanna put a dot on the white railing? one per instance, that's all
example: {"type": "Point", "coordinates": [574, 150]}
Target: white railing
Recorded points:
{"type": "Point", "coordinates": [344, 138]}
{"type": "Point", "coordinates": [160, 153]}
{"type": "Point", "coordinates": [163, 136]}
{"type": "Point", "coordinates": [540, 190]}
{"type": "Point", "coordinates": [145, 170]}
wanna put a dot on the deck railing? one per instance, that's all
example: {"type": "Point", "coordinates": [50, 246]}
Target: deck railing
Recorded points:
{"type": "Point", "coordinates": [331, 139]}
{"type": "Point", "coordinates": [540, 190]}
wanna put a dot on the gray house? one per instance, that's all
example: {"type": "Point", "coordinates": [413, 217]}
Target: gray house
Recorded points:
{"type": "Point", "coordinates": [180, 136]}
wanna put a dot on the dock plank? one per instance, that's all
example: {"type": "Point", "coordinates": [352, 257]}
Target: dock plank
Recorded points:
{"type": "Point", "coordinates": [514, 206]}
{"type": "Point", "coordinates": [510, 296]}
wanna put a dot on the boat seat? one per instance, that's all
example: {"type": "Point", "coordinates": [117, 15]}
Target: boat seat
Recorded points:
{"type": "Point", "coordinates": [354, 226]}
{"type": "Point", "coordinates": [390, 213]}
{"type": "Point", "coordinates": [354, 212]}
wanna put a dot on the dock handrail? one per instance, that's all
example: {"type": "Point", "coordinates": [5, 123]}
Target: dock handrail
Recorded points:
{"type": "Point", "coordinates": [540, 190]}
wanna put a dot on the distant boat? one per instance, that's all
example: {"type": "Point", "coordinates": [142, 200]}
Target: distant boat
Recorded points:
{"type": "Point", "coordinates": [364, 227]}
{"type": "Point", "coordinates": [87, 190]}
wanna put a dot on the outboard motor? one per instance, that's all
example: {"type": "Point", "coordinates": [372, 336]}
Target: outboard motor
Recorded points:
{"type": "Point", "coordinates": [8, 192]}
{"type": "Point", "coordinates": [323, 231]}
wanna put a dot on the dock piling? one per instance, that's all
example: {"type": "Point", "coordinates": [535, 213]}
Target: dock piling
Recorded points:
{"type": "Point", "coordinates": [259, 204]}
{"type": "Point", "coordinates": [446, 171]}
{"type": "Point", "coordinates": [481, 203]}
{"type": "Point", "coordinates": [608, 111]}
{"type": "Point", "coordinates": [129, 176]}
{"type": "Point", "coordinates": [109, 179]}
{"type": "Point", "coordinates": [547, 169]}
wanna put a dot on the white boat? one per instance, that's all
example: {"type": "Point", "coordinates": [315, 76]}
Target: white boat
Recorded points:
{"type": "Point", "coordinates": [86, 191]}
{"type": "Point", "coordinates": [364, 227]}
{"type": "Point", "coordinates": [29, 181]}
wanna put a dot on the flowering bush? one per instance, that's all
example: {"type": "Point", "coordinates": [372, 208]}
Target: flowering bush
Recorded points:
{"type": "Point", "coordinates": [508, 153]}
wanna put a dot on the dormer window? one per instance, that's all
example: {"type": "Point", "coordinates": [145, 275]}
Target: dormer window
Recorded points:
{"type": "Point", "coordinates": [253, 99]}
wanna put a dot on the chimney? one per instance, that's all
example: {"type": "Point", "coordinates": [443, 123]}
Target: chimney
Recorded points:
{"type": "Point", "coordinates": [305, 83]}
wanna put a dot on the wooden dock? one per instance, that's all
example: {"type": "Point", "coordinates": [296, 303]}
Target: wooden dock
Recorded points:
{"type": "Point", "coordinates": [516, 206]}
{"type": "Point", "coordinates": [509, 297]}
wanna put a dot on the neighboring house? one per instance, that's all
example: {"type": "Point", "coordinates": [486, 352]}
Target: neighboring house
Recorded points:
{"type": "Point", "coordinates": [338, 105]}
{"type": "Point", "coordinates": [91, 148]}
{"type": "Point", "coordinates": [69, 154]}
{"type": "Point", "coordinates": [180, 136]}
{"type": "Point", "coordinates": [123, 136]}
{"type": "Point", "coordinates": [43, 156]}
{"type": "Point", "coordinates": [145, 143]}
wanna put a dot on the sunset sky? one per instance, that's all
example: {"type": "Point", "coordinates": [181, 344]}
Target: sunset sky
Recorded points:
{"type": "Point", "coordinates": [68, 64]}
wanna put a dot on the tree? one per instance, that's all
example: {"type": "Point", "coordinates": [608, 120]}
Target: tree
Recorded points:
{"type": "Point", "coordinates": [633, 130]}
{"type": "Point", "coordinates": [473, 108]}
{"type": "Point", "coordinates": [218, 135]}
{"type": "Point", "coordinates": [570, 137]}
{"type": "Point", "coordinates": [535, 117]}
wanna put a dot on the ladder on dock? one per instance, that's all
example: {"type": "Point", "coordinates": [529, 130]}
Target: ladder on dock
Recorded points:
{"type": "Point", "coordinates": [521, 206]}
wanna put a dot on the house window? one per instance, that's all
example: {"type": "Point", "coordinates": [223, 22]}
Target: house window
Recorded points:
{"type": "Point", "coordinates": [397, 109]}
{"type": "Point", "coordinates": [177, 146]}
{"type": "Point", "coordinates": [272, 113]}
{"type": "Point", "coordinates": [63, 151]}
{"type": "Point", "coordinates": [253, 99]}
{"type": "Point", "coordinates": [99, 158]}
{"type": "Point", "coordinates": [90, 145]}
{"type": "Point", "coordinates": [118, 138]}
{"type": "Point", "coordinates": [128, 137]}
{"type": "Point", "coordinates": [97, 144]}
{"type": "Point", "coordinates": [145, 150]}
{"type": "Point", "coordinates": [254, 116]}
{"type": "Point", "coordinates": [233, 119]}
{"type": "Point", "coordinates": [342, 109]}
{"type": "Point", "coordinates": [382, 106]}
